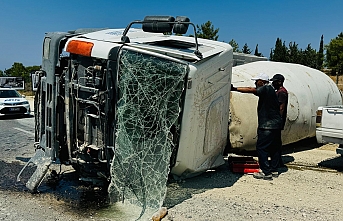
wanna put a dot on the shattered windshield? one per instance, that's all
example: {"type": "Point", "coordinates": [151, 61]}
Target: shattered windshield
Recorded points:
{"type": "Point", "coordinates": [148, 109]}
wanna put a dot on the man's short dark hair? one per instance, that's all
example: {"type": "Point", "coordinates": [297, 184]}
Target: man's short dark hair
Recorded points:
{"type": "Point", "coordinates": [278, 77]}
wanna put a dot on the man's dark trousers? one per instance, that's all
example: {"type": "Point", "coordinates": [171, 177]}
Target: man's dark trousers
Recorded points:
{"type": "Point", "coordinates": [268, 144]}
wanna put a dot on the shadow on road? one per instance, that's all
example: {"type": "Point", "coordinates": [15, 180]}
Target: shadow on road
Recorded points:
{"type": "Point", "coordinates": [181, 190]}
{"type": "Point", "coordinates": [11, 117]}
{"type": "Point", "coordinates": [23, 159]}
{"type": "Point", "coordinates": [303, 145]}
{"type": "Point", "coordinates": [335, 163]}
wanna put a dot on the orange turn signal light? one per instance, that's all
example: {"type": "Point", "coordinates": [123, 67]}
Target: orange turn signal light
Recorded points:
{"type": "Point", "coordinates": [80, 47]}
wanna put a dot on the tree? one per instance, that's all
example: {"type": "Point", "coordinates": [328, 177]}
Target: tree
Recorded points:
{"type": "Point", "coordinates": [320, 54]}
{"type": "Point", "coordinates": [234, 45]}
{"type": "Point", "coordinates": [31, 69]}
{"type": "Point", "coordinates": [279, 52]}
{"type": "Point", "coordinates": [18, 70]}
{"type": "Point", "coordinates": [2, 73]}
{"type": "Point", "coordinates": [271, 54]}
{"type": "Point", "coordinates": [334, 54]}
{"type": "Point", "coordinates": [207, 31]}
{"type": "Point", "coordinates": [309, 57]}
{"type": "Point", "coordinates": [294, 53]}
{"type": "Point", "coordinates": [257, 53]}
{"type": "Point", "coordinates": [246, 49]}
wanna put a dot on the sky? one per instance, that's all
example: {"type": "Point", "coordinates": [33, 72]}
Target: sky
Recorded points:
{"type": "Point", "coordinates": [23, 23]}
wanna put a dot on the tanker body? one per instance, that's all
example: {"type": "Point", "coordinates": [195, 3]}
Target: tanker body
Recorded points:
{"type": "Point", "coordinates": [307, 90]}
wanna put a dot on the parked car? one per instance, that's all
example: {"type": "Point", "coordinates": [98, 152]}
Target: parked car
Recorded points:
{"type": "Point", "coordinates": [329, 126]}
{"type": "Point", "coordinates": [13, 103]}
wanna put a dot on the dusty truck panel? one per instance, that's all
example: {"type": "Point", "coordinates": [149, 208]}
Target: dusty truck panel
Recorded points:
{"type": "Point", "coordinates": [308, 89]}
{"type": "Point", "coordinates": [203, 134]}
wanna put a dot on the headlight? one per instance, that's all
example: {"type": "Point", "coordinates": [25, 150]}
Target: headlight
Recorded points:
{"type": "Point", "coordinates": [24, 102]}
{"type": "Point", "coordinates": [1, 103]}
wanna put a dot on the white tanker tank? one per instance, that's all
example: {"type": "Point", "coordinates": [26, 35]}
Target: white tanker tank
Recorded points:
{"type": "Point", "coordinates": [307, 88]}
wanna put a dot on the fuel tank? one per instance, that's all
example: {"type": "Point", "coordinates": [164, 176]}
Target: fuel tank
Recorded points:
{"type": "Point", "coordinates": [307, 88]}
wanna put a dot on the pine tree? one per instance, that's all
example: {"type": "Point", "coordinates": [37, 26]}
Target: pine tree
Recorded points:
{"type": "Point", "coordinates": [320, 54]}
{"type": "Point", "coordinates": [246, 49]}
{"type": "Point", "coordinates": [234, 45]}
{"type": "Point", "coordinates": [278, 54]}
{"type": "Point", "coordinates": [294, 54]}
{"type": "Point", "coordinates": [271, 54]}
{"type": "Point", "coordinates": [207, 31]}
{"type": "Point", "coordinates": [256, 52]}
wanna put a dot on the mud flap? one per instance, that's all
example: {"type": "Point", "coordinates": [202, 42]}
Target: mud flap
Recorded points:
{"type": "Point", "coordinates": [42, 162]}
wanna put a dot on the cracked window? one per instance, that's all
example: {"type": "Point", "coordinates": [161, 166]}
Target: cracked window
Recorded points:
{"type": "Point", "coordinates": [148, 109]}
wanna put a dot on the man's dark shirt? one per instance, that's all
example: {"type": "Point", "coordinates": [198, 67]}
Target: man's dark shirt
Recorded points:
{"type": "Point", "coordinates": [282, 95]}
{"type": "Point", "coordinates": [268, 109]}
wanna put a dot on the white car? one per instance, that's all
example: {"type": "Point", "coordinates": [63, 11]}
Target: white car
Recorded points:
{"type": "Point", "coordinates": [13, 103]}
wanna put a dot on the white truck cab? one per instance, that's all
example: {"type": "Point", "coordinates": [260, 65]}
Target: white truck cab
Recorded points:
{"type": "Point", "coordinates": [132, 103]}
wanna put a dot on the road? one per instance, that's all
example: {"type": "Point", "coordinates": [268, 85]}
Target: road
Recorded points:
{"type": "Point", "coordinates": [308, 189]}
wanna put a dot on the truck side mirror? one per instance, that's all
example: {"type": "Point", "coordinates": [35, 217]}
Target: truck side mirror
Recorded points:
{"type": "Point", "coordinates": [35, 80]}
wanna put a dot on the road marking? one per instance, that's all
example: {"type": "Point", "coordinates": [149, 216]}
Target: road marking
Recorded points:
{"type": "Point", "coordinates": [25, 131]}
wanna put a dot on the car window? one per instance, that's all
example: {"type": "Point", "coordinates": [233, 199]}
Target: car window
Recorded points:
{"type": "Point", "coordinates": [8, 93]}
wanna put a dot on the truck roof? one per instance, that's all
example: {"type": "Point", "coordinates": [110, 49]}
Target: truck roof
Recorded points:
{"type": "Point", "coordinates": [180, 47]}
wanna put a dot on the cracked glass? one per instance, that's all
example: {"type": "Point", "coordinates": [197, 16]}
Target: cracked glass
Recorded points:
{"type": "Point", "coordinates": [148, 109]}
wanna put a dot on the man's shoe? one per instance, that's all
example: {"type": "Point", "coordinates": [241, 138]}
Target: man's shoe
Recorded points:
{"type": "Point", "coordinates": [261, 175]}
{"type": "Point", "coordinates": [275, 174]}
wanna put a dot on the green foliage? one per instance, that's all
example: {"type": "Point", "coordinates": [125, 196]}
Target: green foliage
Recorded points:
{"type": "Point", "coordinates": [293, 54]}
{"type": "Point", "coordinates": [257, 53]}
{"type": "Point", "coordinates": [320, 55]}
{"type": "Point", "coordinates": [279, 53]}
{"type": "Point", "coordinates": [246, 49]}
{"type": "Point", "coordinates": [19, 70]}
{"type": "Point", "coordinates": [309, 56]}
{"type": "Point", "coordinates": [234, 45]}
{"type": "Point", "coordinates": [207, 31]}
{"type": "Point", "coordinates": [334, 54]}
{"type": "Point", "coordinates": [271, 55]}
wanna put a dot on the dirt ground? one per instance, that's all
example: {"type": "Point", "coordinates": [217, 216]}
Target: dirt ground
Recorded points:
{"type": "Point", "coordinates": [309, 188]}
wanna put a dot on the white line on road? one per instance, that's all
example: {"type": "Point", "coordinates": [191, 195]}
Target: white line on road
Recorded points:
{"type": "Point", "coordinates": [25, 131]}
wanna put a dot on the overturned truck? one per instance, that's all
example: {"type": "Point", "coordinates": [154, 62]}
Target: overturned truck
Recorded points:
{"type": "Point", "coordinates": [126, 107]}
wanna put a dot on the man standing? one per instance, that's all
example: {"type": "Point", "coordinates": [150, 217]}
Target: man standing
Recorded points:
{"type": "Point", "coordinates": [269, 125]}
{"type": "Point", "coordinates": [282, 94]}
